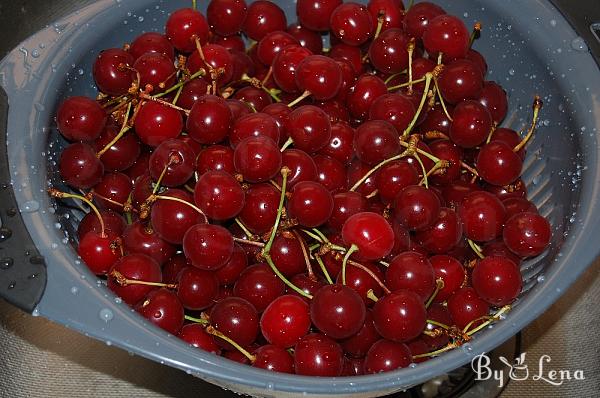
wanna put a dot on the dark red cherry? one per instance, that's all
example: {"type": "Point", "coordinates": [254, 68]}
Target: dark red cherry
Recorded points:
{"type": "Point", "coordinates": [460, 80]}
{"type": "Point", "coordinates": [302, 167]}
{"type": "Point", "coordinates": [345, 204]}
{"type": "Point", "coordinates": [400, 316]}
{"type": "Point", "coordinates": [122, 154]}
{"type": "Point", "coordinates": [163, 309]}
{"type": "Point", "coordinates": [259, 285]}
{"type": "Point", "coordinates": [455, 193]}
{"type": "Point", "coordinates": [262, 18]}
{"type": "Point", "coordinates": [527, 234]}
{"type": "Point", "coordinates": [226, 17]}
{"type": "Point", "coordinates": [137, 267]}
{"type": "Point", "coordinates": [336, 110]}
{"type": "Point", "coordinates": [285, 65]}
{"type": "Point", "coordinates": [498, 164]}
{"type": "Point", "coordinates": [113, 222]}
{"type": "Point", "coordinates": [376, 141]}
{"type": "Point", "coordinates": [392, 11]}
{"type": "Point", "coordinates": [219, 195]}
{"type": "Point", "coordinates": [509, 137]}
{"type": "Point", "coordinates": [352, 23]}
{"type": "Point", "coordinates": [273, 358]}
{"type": "Point", "coordinates": [230, 272]}
{"type": "Point", "coordinates": [210, 120]}
{"type": "Point", "coordinates": [285, 321]}
{"type": "Point", "coordinates": [112, 72]}
{"type": "Point", "coordinates": [385, 356]}
{"type": "Point", "coordinates": [183, 26]}
{"type": "Point", "coordinates": [279, 112]}
{"type": "Point", "coordinates": [140, 238]}
{"type": "Point", "coordinates": [451, 272]}
{"type": "Point", "coordinates": [518, 205]}
{"type": "Point", "coordinates": [260, 209]}
{"type": "Point", "coordinates": [402, 241]}
{"type": "Point", "coordinates": [156, 123]}
{"type": "Point", "coordinates": [447, 150]}
{"type": "Point", "coordinates": [218, 61]}
{"type": "Point", "coordinates": [362, 281]}
{"type": "Point", "coordinates": [411, 271]}
{"type": "Point", "coordinates": [388, 52]}
{"type": "Point", "coordinates": [253, 125]}
{"type": "Point", "coordinates": [356, 171]}
{"type": "Point", "coordinates": [331, 173]}
{"type": "Point", "coordinates": [237, 319]}
{"type": "Point", "coordinates": [191, 92]}
{"type": "Point", "coordinates": [418, 16]}
{"type": "Point", "coordinates": [309, 127]}
{"type": "Point", "coordinates": [255, 97]}
{"type": "Point", "coordinates": [338, 311]}
{"type": "Point", "coordinates": [395, 109]}
{"type": "Point", "coordinates": [151, 42]}
{"type": "Point", "coordinates": [351, 54]}
{"type": "Point", "coordinates": [471, 124]}
{"type": "Point", "coordinates": [99, 252]}
{"type": "Point", "coordinates": [208, 246]}
{"type": "Point", "coordinates": [307, 284]}
{"type": "Point", "coordinates": [466, 306]}
{"type": "Point", "coordinates": [494, 98]}
{"type": "Point", "coordinates": [79, 167]}
{"type": "Point", "coordinates": [310, 203]}
{"type": "Point", "coordinates": [416, 207]}
{"type": "Point", "coordinates": [315, 14]}
{"type": "Point", "coordinates": [358, 344]}
{"type": "Point", "coordinates": [234, 43]}
{"type": "Point", "coordinates": [361, 95]}
{"type": "Point", "coordinates": [498, 248]}
{"type": "Point", "coordinates": [393, 177]}
{"type": "Point", "coordinates": [340, 146]}
{"type": "Point", "coordinates": [443, 235]}
{"type": "Point", "coordinates": [319, 75]}
{"type": "Point", "coordinates": [287, 254]}
{"type": "Point", "coordinates": [436, 120]}
{"type": "Point", "coordinates": [177, 158]}
{"type": "Point", "coordinates": [171, 219]}
{"type": "Point", "coordinates": [371, 233]}
{"type": "Point", "coordinates": [80, 119]}
{"type": "Point", "coordinates": [156, 70]}
{"type": "Point", "coordinates": [318, 355]}
{"type": "Point", "coordinates": [448, 35]}
{"type": "Point", "coordinates": [112, 191]}
{"type": "Point", "coordinates": [482, 215]}
{"type": "Point", "coordinates": [497, 280]}
{"type": "Point", "coordinates": [270, 45]}
{"type": "Point", "coordinates": [173, 267]}
{"type": "Point", "coordinates": [306, 37]}
{"type": "Point", "coordinates": [353, 366]}
{"type": "Point", "coordinates": [195, 335]}
{"type": "Point", "coordinates": [258, 159]}
{"type": "Point", "coordinates": [217, 158]}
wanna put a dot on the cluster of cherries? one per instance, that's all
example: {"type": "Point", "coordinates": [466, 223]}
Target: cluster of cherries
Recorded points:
{"type": "Point", "coordinates": [324, 212]}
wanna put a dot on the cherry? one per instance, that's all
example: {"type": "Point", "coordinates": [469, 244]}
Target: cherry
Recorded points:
{"type": "Point", "coordinates": [260, 209]}
{"type": "Point", "coordinates": [210, 120]}
{"type": "Point", "coordinates": [156, 123]}
{"type": "Point", "coordinates": [279, 112]}
{"type": "Point", "coordinates": [315, 14]}
{"type": "Point", "coordinates": [162, 308]}
{"type": "Point", "coordinates": [285, 64]}
{"type": "Point", "coordinates": [273, 358]}
{"type": "Point", "coordinates": [517, 189]}
{"type": "Point", "coordinates": [309, 127]}
{"type": "Point", "coordinates": [494, 98]}
{"type": "Point", "coordinates": [351, 23]}
{"type": "Point", "coordinates": [310, 203]}
{"type": "Point", "coordinates": [217, 59]}
{"type": "Point", "coordinates": [446, 34]}
{"type": "Point", "coordinates": [353, 366]}
{"type": "Point", "coordinates": [238, 108]}
{"type": "Point", "coordinates": [262, 18]}
{"type": "Point", "coordinates": [113, 223]}
{"type": "Point", "coordinates": [331, 173]}
{"type": "Point", "coordinates": [498, 164]}
{"type": "Point", "coordinates": [215, 158]}
{"type": "Point", "coordinates": [171, 219]}
{"type": "Point", "coordinates": [155, 69]}
{"type": "Point", "coordinates": [112, 72]}
{"type": "Point", "coordinates": [338, 311]}
{"type": "Point", "coordinates": [388, 52]}
{"type": "Point", "coordinates": [306, 37]}
{"type": "Point", "coordinates": [258, 159]}
{"type": "Point", "coordinates": [287, 254]}
{"type": "Point", "coordinates": [173, 160]}
{"type": "Point", "coordinates": [230, 272]}
{"type": "Point", "coordinates": [318, 355]}
{"type": "Point", "coordinates": [99, 252]}
{"type": "Point", "coordinates": [466, 306]}
{"type": "Point", "coordinates": [237, 319]}
{"type": "Point", "coordinates": [518, 205]}
{"type": "Point", "coordinates": [151, 42]}
{"type": "Point", "coordinates": [460, 80]}
{"type": "Point", "coordinates": [376, 141]}
{"type": "Point", "coordinates": [226, 17]}
{"type": "Point", "coordinates": [436, 120]}
{"type": "Point", "coordinates": [253, 125]}
{"type": "Point", "coordinates": [418, 16]}
{"type": "Point", "coordinates": [140, 238]}
{"type": "Point", "coordinates": [184, 26]}
{"type": "Point", "coordinates": [362, 282]}
{"type": "Point", "coordinates": [122, 154]}
{"type": "Point", "coordinates": [443, 235]}
{"type": "Point", "coordinates": [142, 189]}
{"type": "Point", "coordinates": [393, 177]}
{"type": "Point", "coordinates": [393, 108]}
{"type": "Point", "coordinates": [400, 316]}
{"type": "Point", "coordinates": [416, 207]}
{"type": "Point", "coordinates": [208, 246]}
{"type": "Point", "coordinates": [451, 272]}
{"type": "Point", "coordinates": [307, 284]}
{"type": "Point", "coordinates": [253, 96]}
{"type": "Point", "coordinates": [392, 11]}
{"type": "Point", "coordinates": [439, 313]}
{"type": "Point", "coordinates": [319, 75]}
{"type": "Point", "coordinates": [285, 321]}
{"type": "Point", "coordinates": [172, 268]}
{"type": "Point", "coordinates": [455, 193]}
{"type": "Point", "coordinates": [340, 146]}
{"type": "Point", "coordinates": [358, 344]}
{"type": "Point", "coordinates": [219, 195]}
{"type": "Point", "coordinates": [259, 285]}
{"type": "Point", "coordinates": [136, 267]}
{"type": "Point", "coordinates": [80, 119]}
{"type": "Point", "coordinates": [510, 137]}
{"type": "Point", "coordinates": [371, 233]}
{"type": "Point", "coordinates": [191, 92]}
{"type": "Point", "coordinates": [385, 356]}
{"type": "Point", "coordinates": [345, 205]}
{"type": "Point", "coordinates": [483, 216]}
{"type": "Point", "coordinates": [497, 280]}
{"type": "Point", "coordinates": [79, 167]}
{"type": "Point", "coordinates": [234, 43]}
{"type": "Point", "coordinates": [195, 335]}
{"type": "Point", "coordinates": [402, 241]}
{"type": "Point", "coordinates": [447, 150]}
{"type": "Point", "coordinates": [478, 59]}
{"type": "Point", "coordinates": [348, 53]}
{"type": "Point", "coordinates": [471, 124]}
{"type": "Point", "coordinates": [411, 271]}
{"type": "Point", "coordinates": [270, 45]}
{"type": "Point", "coordinates": [302, 167]}
{"type": "Point", "coordinates": [527, 234]}
{"type": "Point", "coordinates": [356, 171]}
{"type": "Point", "coordinates": [361, 95]}
{"type": "Point", "coordinates": [197, 288]}
{"type": "Point", "coordinates": [112, 189]}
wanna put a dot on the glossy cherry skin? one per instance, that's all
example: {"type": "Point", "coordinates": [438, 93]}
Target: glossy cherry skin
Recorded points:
{"type": "Point", "coordinates": [270, 45]}
{"type": "Point", "coordinates": [215, 158]}
{"type": "Point", "coordinates": [338, 311]}
{"type": "Point", "coordinates": [466, 306]}
{"type": "Point", "coordinates": [156, 70]}
{"type": "Point", "coordinates": [498, 164]}
{"type": "Point", "coordinates": [274, 359]}
{"type": "Point", "coordinates": [376, 141]}
{"type": "Point", "coordinates": [307, 38]}
{"type": "Point", "coordinates": [226, 17]}
{"type": "Point", "coordinates": [219, 195]}
{"type": "Point", "coordinates": [471, 124]}
{"type": "Point", "coordinates": [210, 120]}
{"type": "Point", "coordinates": [345, 205]}
{"type": "Point", "coordinates": [446, 34]}
{"type": "Point", "coordinates": [315, 14]}
{"type": "Point", "coordinates": [460, 80]}
{"type": "Point", "coordinates": [393, 177]}
{"type": "Point", "coordinates": [208, 246]}
{"type": "Point", "coordinates": [395, 109]}
{"type": "Point", "coordinates": [258, 159]}
{"type": "Point", "coordinates": [352, 23]}
{"type": "Point", "coordinates": [253, 96]}
{"type": "Point", "coordinates": [110, 72]}
{"type": "Point", "coordinates": [456, 192]}
{"type": "Point", "coordinates": [232, 269]}
{"type": "Point", "coordinates": [263, 17]}
{"type": "Point", "coordinates": [113, 223]}
{"type": "Point", "coordinates": [392, 11]}
{"type": "Point", "coordinates": [151, 42]}
{"type": "Point", "coordinates": [220, 61]}
{"type": "Point", "coordinates": [331, 173]}
{"type": "Point", "coordinates": [237, 319]}
{"type": "Point", "coordinates": [494, 98]}
{"type": "Point", "coordinates": [112, 191]}
{"type": "Point", "coordinates": [99, 252]}
{"type": "Point", "coordinates": [309, 127]}
{"type": "Point", "coordinates": [253, 125]}
{"type": "Point", "coordinates": [285, 65]}
{"type": "Point", "coordinates": [259, 285]}
{"type": "Point", "coordinates": [310, 203]}
{"type": "Point", "coordinates": [400, 316]}
{"type": "Point", "coordinates": [498, 248]}
{"type": "Point", "coordinates": [80, 119]}
{"type": "Point", "coordinates": [197, 289]}
{"type": "Point", "coordinates": [388, 52]}
{"type": "Point", "coordinates": [183, 26]}
{"type": "Point", "coordinates": [319, 75]}
{"type": "Point", "coordinates": [318, 355]}
{"type": "Point", "coordinates": [385, 356]}
{"type": "Point", "coordinates": [518, 205]}
{"type": "Point", "coordinates": [138, 267]}
{"type": "Point", "coordinates": [173, 267]}
{"type": "Point", "coordinates": [141, 238]}
{"type": "Point", "coordinates": [509, 137]}
{"type": "Point", "coordinates": [497, 280]}
{"type": "Point", "coordinates": [156, 123]}
{"type": "Point", "coordinates": [361, 281]}
{"type": "Point", "coordinates": [307, 284]}
{"type": "Point", "coordinates": [285, 321]}
{"type": "Point", "coordinates": [416, 207]}
{"type": "Point", "coordinates": [302, 167]}
{"type": "Point", "coordinates": [260, 209]}
{"type": "Point", "coordinates": [417, 18]}
{"type": "Point", "coordinates": [162, 308]}
{"type": "Point", "coordinates": [177, 158]}
{"type": "Point", "coordinates": [340, 146]}
{"type": "Point", "coordinates": [447, 150]}
{"type": "Point", "coordinates": [371, 233]}
{"type": "Point", "coordinates": [79, 167]}
{"type": "Point", "coordinates": [191, 92]}
{"type": "Point", "coordinates": [483, 216]}
{"type": "Point", "coordinates": [527, 234]}
{"type": "Point", "coordinates": [436, 120]}
{"type": "Point", "coordinates": [411, 271]}
{"type": "Point", "coordinates": [451, 272]}
{"type": "Point", "coordinates": [122, 154]}
{"type": "Point", "coordinates": [171, 219]}
{"type": "Point", "coordinates": [195, 335]}
{"type": "Point", "coordinates": [361, 95]}
{"type": "Point", "coordinates": [358, 344]}
{"type": "Point", "coordinates": [351, 54]}
{"type": "Point", "coordinates": [443, 235]}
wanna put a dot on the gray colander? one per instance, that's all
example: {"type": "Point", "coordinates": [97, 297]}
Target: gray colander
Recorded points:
{"type": "Point", "coordinates": [530, 47]}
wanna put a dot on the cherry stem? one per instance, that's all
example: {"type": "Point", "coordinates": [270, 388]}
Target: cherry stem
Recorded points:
{"type": "Point", "coordinates": [196, 320]}
{"type": "Point", "coordinates": [313, 235]}
{"type": "Point", "coordinates": [323, 269]}
{"type": "Point", "coordinates": [287, 143]}
{"type": "Point", "coordinates": [161, 176]}
{"type": "Point", "coordinates": [439, 93]}
{"type": "Point", "coordinates": [392, 77]}
{"type": "Point", "coordinates": [248, 242]}
{"type": "Point", "coordinates": [428, 77]}
{"type": "Point", "coordinates": [408, 83]}
{"type": "Point", "coordinates": [442, 164]}
{"type": "Point", "coordinates": [439, 60]}
{"type": "Point", "coordinates": [425, 180]}
{"type": "Point", "coordinates": [211, 330]}
{"type": "Point", "coordinates": [410, 4]}
{"type": "Point", "coordinates": [537, 105]}
{"type": "Point", "coordinates": [177, 94]}
{"type": "Point", "coordinates": [193, 4]}
{"type": "Point", "coordinates": [371, 274]}
{"type": "Point", "coordinates": [438, 324]}
{"type": "Point", "coordinates": [182, 83]}
{"type": "Point", "coordinates": [114, 202]}
{"type": "Point", "coordinates": [299, 99]}
{"type": "Point", "coordinates": [267, 77]}
{"type": "Point", "coordinates": [476, 248]}
{"type": "Point", "coordinates": [309, 269]}
{"type": "Point", "coordinates": [124, 129]}
{"type": "Point", "coordinates": [321, 235]}
{"type": "Point", "coordinates": [491, 319]}
{"type": "Point", "coordinates": [166, 103]}
{"type": "Point", "coordinates": [371, 295]}
{"type": "Point", "coordinates": [380, 22]}
{"type": "Point", "coordinates": [372, 194]}
{"type": "Point", "coordinates": [352, 249]}
{"type": "Point", "coordinates": [439, 285]}
{"type": "Point", "coordinates": [436, 352]}
{"type": "Point", "coordinates": [492, 130]}
{"type": "Point", "coordinates": [475, 33]}
{"type": "Point", "coordinates": [411, 48]}
{"type": "Point", "coordinates": [249, 234]}
{"type": "Point", "coordinates": [124, 281]}
{"type": "Point", "coordinates": [421, 152]}
{"type": "Point", "coordinates": [55, 193]}
{"type": "Point", "coordinates": [174, 199]}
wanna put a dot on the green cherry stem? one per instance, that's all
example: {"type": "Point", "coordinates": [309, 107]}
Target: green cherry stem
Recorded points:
{"type": "Point", "coordinates": [286, 144]}
{"type": "Point", "coordinates": [408, 83]}
{"type": "Point", "coordinates": [180, 84]}
{"type": "Point", "coordinates": [537, 105]}
{"type": "Point", "coordinates": [249, 234]}
{"type": "Point", "coordinates": [428, 77]}
{"type": "Point", "coordinates": [425, 178]}
{"type": "Point", "coordinates": [196, 320]}
{"type": "Point", "coordinates": [124, 129]}
{"type": "Point", "coordinates": [476, 248]}
{"type": "Point", "coordinates": [491, 319]}
{"type": "Point", "coordinates": [352, 249]}
{"type": "Point", "coordinates": [55, 193]}
{"type": "Point", "coordinates": [439, 285]}
{"type": "Point", "coordinates": [211, 330]}
{"type": "Point", "coordinates": [299, 99]}
{"type": "Point", "coordinates": [323, 269]}
{"type": "Point", "coordinates": [439, 93]}
{"type": "Point", "coordinates": [475, 33]}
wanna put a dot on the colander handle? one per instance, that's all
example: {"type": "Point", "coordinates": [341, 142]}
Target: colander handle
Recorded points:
{"type": "Point", "coordinates": [22, 269]}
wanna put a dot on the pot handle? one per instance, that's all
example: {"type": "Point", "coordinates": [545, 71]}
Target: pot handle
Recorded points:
{"type": "Point", "coordinates": [585, 18]}
{"type": "Point", "coordinates": [22, 269]}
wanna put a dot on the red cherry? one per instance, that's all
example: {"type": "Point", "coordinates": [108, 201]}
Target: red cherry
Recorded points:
{"type": "Point", "coordinates": [113, 223]}
{"type": "Point", "coordinates": [287, 255]}
{"type": "Point", "coordinates": [208, 246]}
{"type": "Point", "coordinates": [400, 316]}
{"type": "Point", "coordinates": [361, 281]}
{"type": "Point", "coordinates": [446, 34]}
{"type": "Point", "coordinates": [112, 72]}
{"type": "Point", "coordinates": [418, 16]}
{"type": "Point", "coordinates": [258, 159]}
{"type": "Point", "coordinates": [140, 238]}
{"type": "Point", "coordinates": [436, 120]}
{"type": "Point", "coordinates": [498, 164]}
{"type": "Point", "coordinates": [411, 271]}
{"type": "Point", "coordinates": [338, 311]}
{"type": "Point", "coordinates": [162, 308]}
{"type": "Point", "coordinates": [309, 127]}
{"type": "Point", "coordinates": [483, 216]}
{"type": "Point", "coordinates": [157, 70]}
{"type": "Point", "coordinates": [285, 65]}
{"type": "Point", "coordinates": [253, 125]}
{"type": "Point", "coordinates": [197, 289]}
{"type": "Point", "coordinates": [285, 321]}
{"type": "Point", "coordinates": [497, 280]}
{"type": "Point", "coordinates": [345, 205]}
{"type": "Point", "coordinates": [494, 98]}
{"type": "Point", "coordinates": [352, 23]}
{"type": "Point", "coordinates": [270, 45]}
{"type": "Point", "coordinates": [460, 80]}
{"type": "Point", "coordinates": [385, 356]}
{"type": "Point", "coordinates": [395, 109]}
{"type": "Point", "coordinates": [310, 204]}
{"type": "Point", "coordinates": [443, 235]}
{"type": "Point", "coordinates": [527, 234]}
{"type": "Point", "coordinates": [376, 141]}
{"type": "Point", "coordinates": [466, 306]}
{"type": "Point", "coordinates": [173, 267]}
{"type": "Point", "coordinates": [171, 219]}
{"type": "Point", "coordinates": [315, 14]}
{"type": "Point", "coordinates": [262, 18]}
{"type": "Point", "coordinates": [237, 319]}
{"type": "Point", "coordinates": [416, 207]}
{"type": "Point", "coordinates": [195, 335]}
{"type": "Point", "coordinates": [348, 53]}
{"type": "Point", "coordinates": [260, 210]}
{"type": "Point", "coordinates": [226, 17]}
{"type": "Point", "coordinates": [371, 233]}
{"type": "Point", "coordinates": [518, 205]}
{"type": "Point", "coordinates": [449, 270]}
{"type": "Point", "coordinates": [319, 75]}
{"type": "Point", "coordinates": [318, 355]}
{"type": "Point", "coordinates": [358, 344]}
{"type": "Point", "coordinates": [137, 267]}
{"type": "Point", "coordinates": [361, 95]}
{"type": "Point", "coordinates": [210, 120]}
{"type": "Point", "coordinates": [177, 158]}
{"type": "Point", "coordinates": [302, 167]}
{"type": "Point", "coordinates": [331, 173]}
{"type": "Point", "coordinates": [340, 146]}
{"type": "Point", "coordinates": [215, 158]}
{"type": "Point", "coordinates": [156, 123]}
{"type": "Point", "coordinates": [122, 154]}
{"type": "Point", "coordinates": [79, 167]}
{"type": "Point", "coordinates": [259, 285]}
{"type": "Point", "coordinates": [151, 42]}
{"type": "Point", "coordinates": [447, 150]}
{"type": "Point", "coordinates": [388, 52]}
{"type": "Point", "coordinates": [183, 26]}
{"type": "Point", "coordinates": [230, 272]}
{"type": "Point", "coordinates": [273, 358]}
{"type": "Point", "coordinates": [218, 58]}
{"type": "Point", "coordinates": [99, 252]}
{"type": "Point", "coordinates": [306, 37]}
{"type": "Point", "coordinates": [191, 92]}
{"type": "Point", "coordinates": [112, 189]}
{"type": "Point", "coordinates": [471, 124]}
{"type": "Point", "coordinates": [353, 366]}
{"type": "Point", "coordinates": [80, 119]}
{"type": "Point", "coordinates": [219, 195]}
{"type": "Point", "coordinates": [392, 11]}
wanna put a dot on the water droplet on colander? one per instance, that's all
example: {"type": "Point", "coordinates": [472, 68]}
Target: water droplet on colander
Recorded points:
{"type": "Point", "coordinates": [412, 365]}
{"type": "Point", "coordinates": [541, 278]}
{"type": "Point", "coordinates": [106, 315]}
{"type": "Point", "coordinates": [578, 44]}
{"type": "Point", "coordinates": [54, 246]}
{"type": "Point", "coordinates": [35, 53]}
{"type": "Point", "coordinates": [30, 206]}
{"type": "Point", "coordinates": [108, 343]}
{"type": "Point", "coordinates": [141, 19]}
{"type": "Point", "coordinates": [5, 233]}
{"type": "Point", "coordinates": [35, 312]}
{"type": "Point", "coordinates": [467, 347]}
{"type": "Point", "coordinates": [511, 72]}
{"type": "Point", "coordinates": [74, 290]}
{"type": "Point", "coordinates": [118, 300]}
{"type": "Point", "coordinates": [553, 22]}
{"type": "Point", "coordinates": [6, 262]}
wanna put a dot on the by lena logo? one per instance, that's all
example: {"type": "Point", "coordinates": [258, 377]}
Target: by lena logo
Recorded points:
{"type": "Point", "coordinates": [519, 371]}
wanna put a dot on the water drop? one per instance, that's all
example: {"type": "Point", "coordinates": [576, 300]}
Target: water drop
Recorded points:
{"type": "Point", "coordinates": [108, 343]}
{"type": "Point", "coordinates": [74, 290]}
{"type": "Point", "coordinates": [6, 262]}
{"type": "Point", "coordinates": [412, 365]}
{"type": "Point", "coordinates": [30, 206]}
{"type": "Point", "coordinates": [141, 19]}
{"type": "Point", "coordinates": [35, 312]}
{"type": "Point", "coordinates": [270, 386]}
{"type": "Point", "coordinates": [553, 22]}
{"type": "Point", "coordinates": [35, 53]}
{"type": "Point", "coordinates": [118, 300]}
{"type": "Point", "coordinates": [106, 315]}
{"type": "Point", "coordinates": [511, 72]}
{"type": "Point", "coordinates": [541, 278]}
{"type": "Point", "coordinates": [467, 347]}
{"type": "Point", "coordinates": [5, 234]}
{"type": "Point", "coordinates": [54, 246]}
{"type": "Point", "coordinates": [578, 44]}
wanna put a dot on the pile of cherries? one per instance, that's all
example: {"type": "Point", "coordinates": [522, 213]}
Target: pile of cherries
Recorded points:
{"type": "Point", "coordinates": [324, 212]}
